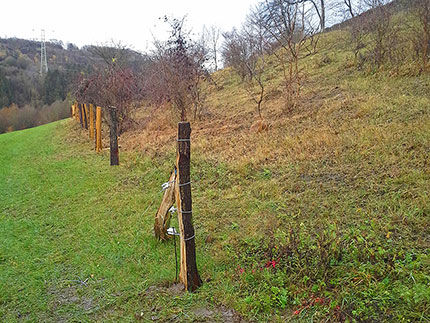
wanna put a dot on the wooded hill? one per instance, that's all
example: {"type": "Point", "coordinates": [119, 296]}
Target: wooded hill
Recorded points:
{"type": "Point", "coordinates": [20, 80]}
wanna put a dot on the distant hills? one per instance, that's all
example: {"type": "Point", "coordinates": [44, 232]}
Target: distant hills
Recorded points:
{"type": "Point", "coordinates": [20, 79]}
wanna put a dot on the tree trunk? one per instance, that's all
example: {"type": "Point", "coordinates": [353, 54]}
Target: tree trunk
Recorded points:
{"type": "Point", "coordinates": [322, 15]}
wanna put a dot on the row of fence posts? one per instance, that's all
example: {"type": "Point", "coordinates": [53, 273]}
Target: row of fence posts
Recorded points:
{"type": "Point", "coordinates": [90, 118]}
{"type": "Point", "coordinates": [176, 191]}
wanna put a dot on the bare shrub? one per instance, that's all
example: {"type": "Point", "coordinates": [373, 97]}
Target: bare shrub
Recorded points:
{"type": "Point", "coordinates": [421, 32]}
{"type": "Point", "coordinates": [112, 85]}
{"type": "Point", "coordinates": [178, 71]}
{"type": "Point", "coordinates": [15, 118]}
{"type": "Point", "coordinates": [289, 28]}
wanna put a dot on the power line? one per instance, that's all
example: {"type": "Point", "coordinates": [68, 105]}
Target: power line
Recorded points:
{"type": "Point", "coordinates": [43, 59]}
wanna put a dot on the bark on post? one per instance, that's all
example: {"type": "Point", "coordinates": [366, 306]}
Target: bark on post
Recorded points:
{"type": "Point", "coordinates": [188, 275]}
{"type": "Point", "coordinates": [91, 121]}
{"type": "Point", "coordinates": [114, 155]}
{"type": "Point", "coordinates": [99, 129]}
{"type": "Point", "coordinates": [81, 114]}
{"type": "Point", "coordinates": [162, 218]}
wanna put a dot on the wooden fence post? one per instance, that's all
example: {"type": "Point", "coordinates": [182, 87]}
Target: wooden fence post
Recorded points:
{"type": "Point", "coordinates": [98, 129]}
{"type": "Point", "coordinates": [86, 116]}
{"type": "Point", "coordinates": [188, 274]}
{"type": "Point", "coordinates": [91, 121]}
{"type": "Point", "coordinates": [81, 114]}
{"type": "Point", "coordinates": [113, 133]}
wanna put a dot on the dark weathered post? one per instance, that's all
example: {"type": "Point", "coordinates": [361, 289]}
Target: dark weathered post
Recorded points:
{"type": "Point", "coordinates": [188, 275]}
{"type": "Point", "coordinates": [81, 114]}
{"type": "Point", "coordinates": [114, 154]}
{"type": "Point", "coordinates": [98, 129]}
{"type": "Point", "coordinates": [91, 108]}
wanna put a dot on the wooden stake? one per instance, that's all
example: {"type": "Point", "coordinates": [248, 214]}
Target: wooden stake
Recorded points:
{"type": "Point", "coordinates": [81, 114]}
{"type": "Point", "coordinates": [86, 116]}
{"type": "Point", "coordinates": [188, 274]}
{"type": "Point", "coordinates": [162, 218]}
{"type": "Point", "coordinates": [91, 121]}
{"type": "Point", "coordinates": [98, 129]}
{"type": "Point", "coordinates": [114, 154]}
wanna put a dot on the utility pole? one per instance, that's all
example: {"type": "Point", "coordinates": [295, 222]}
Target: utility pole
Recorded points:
{"type": "Point", "coordinates": [43, 59]}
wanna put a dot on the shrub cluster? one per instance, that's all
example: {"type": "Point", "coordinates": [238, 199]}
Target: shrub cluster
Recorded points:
{"type": "Point", "coordinates": [15, 118]}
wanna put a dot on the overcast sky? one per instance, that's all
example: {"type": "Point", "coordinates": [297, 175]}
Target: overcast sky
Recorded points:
{"type": "Point", "coordinates": [131, 22]}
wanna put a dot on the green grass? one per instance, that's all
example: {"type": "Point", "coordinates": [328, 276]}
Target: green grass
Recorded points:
{"type": "Point", "coordinates": [76, 234]}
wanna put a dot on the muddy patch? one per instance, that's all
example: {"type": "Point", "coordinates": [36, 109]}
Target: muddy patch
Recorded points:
{"type": "Point", "coordinates": [66, 295]}
{"type": "Point", "coordinates": [173, 296]}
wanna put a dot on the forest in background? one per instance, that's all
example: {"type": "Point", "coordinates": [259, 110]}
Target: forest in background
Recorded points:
{"type": "Point", "coordinates": [28, 98]}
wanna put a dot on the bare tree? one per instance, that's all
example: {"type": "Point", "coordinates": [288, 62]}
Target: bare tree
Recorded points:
{"type": "Point", "coordinates": [179, 68]}
{"type": "Point", "coordinates": [358, 32]}
{"type": "Point", "coordinates": [421, 31]}
{"type": "Point", "coordinates": [320, 9]}
{"type": "Point", "coordinates": [383, 35]}
{"type": "Point", "coordinates": [111, 86]}
{"type": "Point", "coordinates": [254, 38]}
{"type": "Point", "coordinates": [288, 25]}
{"type": "Point", "coordinates": [347, 9]}
{"type": "Point", "coordinates": [233, 52]}
{"type": "Point", "coordinates": [212, 35]}
{"type": "Point", "coordinates": [350, 7]}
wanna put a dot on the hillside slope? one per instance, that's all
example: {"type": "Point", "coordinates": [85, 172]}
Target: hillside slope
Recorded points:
{"type": "Point", "coordinates": [336, 192]}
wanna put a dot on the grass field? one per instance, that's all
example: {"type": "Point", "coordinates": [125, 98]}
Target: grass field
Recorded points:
{"type": "Point", "coordinates": [77, 240]}
{"type": "Point", "coordinates": [76, 235]}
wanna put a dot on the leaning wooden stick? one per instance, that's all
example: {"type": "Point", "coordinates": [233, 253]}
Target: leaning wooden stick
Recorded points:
{"type": "Point", "coordinates": [162, 217]}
